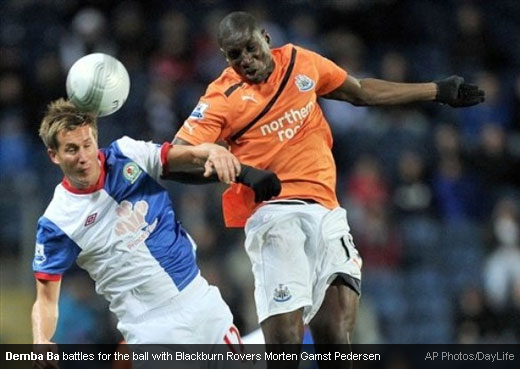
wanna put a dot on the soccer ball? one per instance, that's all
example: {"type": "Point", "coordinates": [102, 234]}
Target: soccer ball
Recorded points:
{"type": "Point", "coordinates": [98, 83]}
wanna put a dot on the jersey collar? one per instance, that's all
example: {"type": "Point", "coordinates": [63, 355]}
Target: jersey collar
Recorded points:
{"type": "Point", "coordinates": [95, 187]}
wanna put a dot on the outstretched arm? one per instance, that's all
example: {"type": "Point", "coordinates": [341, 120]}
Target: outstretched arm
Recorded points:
{"type": "Point", "coordinates": [206, 160]}
{"type": "Point", "coordinates": [264, 183]}
{"type": "Point", "coordinates": [371, 92]}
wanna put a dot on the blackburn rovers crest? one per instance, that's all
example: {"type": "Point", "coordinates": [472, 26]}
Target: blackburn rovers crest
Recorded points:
{"type": "Point", "coordinates": [131, 171]}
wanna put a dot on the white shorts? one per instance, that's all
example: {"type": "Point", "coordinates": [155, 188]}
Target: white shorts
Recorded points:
{"type": "Point", "coordinates": [197, 315]}
{"type": "Point", "coordinates": [296, 252]}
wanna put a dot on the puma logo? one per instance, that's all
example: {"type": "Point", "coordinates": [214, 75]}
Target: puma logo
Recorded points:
{"type": "Point", "coordinates": [250, 98]}
{"type": "Point", "coordinates": [189, 127]}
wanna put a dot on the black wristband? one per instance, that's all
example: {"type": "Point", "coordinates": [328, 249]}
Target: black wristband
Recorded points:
{"type": "Point", "coordinates": [244, 169]}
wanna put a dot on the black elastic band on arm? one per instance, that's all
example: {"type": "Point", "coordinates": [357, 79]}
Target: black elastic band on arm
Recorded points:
{"type": "Point", "coordinates": [272, 101]}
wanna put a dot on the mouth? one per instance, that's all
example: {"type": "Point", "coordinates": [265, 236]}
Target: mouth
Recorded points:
{"type": "Point", "coordinates": [83, 171]}
{"type": "Point", "coordinates": [250, 73]}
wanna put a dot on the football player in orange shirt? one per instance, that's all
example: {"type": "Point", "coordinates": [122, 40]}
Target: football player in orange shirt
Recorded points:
{"type": "Point", "coordinates": [264, 105]}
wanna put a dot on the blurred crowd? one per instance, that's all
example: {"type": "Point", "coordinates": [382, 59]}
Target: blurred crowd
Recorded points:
{"type": "Point", "coordinates": [432, 193]}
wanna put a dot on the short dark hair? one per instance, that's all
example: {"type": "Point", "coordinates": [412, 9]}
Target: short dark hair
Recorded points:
{"type": "Point", "coordinates": [236, 21]}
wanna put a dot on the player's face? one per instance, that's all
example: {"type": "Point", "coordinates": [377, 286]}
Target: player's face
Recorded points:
{"type": "Point", "coordinates": [249, 55]}
{"type": "Point", "coordinates": [77, 156]}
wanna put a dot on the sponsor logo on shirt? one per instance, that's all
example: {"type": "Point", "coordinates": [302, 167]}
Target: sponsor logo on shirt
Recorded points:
{"type": "Point", "coordinates": [39, 254]}
{"type": "Point", "coordinates": [304, 83]}
{"type": "Point", "coordinates": [131, 223]}
{"type": "Point", "coordinates": [131, 171]}
{"type": "Point", "coordinates": [198, 112]}
{"type": "Point", "coordinates": [288, 124]}
{"type": "Point", "coordinates": [90, 219]}
{"type": "Point", "coordinates": [282, 293]}
{"type": "Point", "coordinates": [249, 98]}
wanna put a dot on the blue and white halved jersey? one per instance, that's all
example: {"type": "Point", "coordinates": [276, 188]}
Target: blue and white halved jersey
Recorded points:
{"type": "Point", "coordinates": [123, 232]}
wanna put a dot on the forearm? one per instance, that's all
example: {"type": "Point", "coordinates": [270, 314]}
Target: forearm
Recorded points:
{"type": "Point", "coordinates": [380, 92]}
{"type": "Point", "coordinates": [187, 158]}
{"type": "Point", "coordinates": [373, 92]}
{"type": "Point", "coordinates": [208, 158]}
{"type": "Point", "coordinates": [44, 320]}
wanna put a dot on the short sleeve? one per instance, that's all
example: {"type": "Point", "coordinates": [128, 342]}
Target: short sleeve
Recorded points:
{"type": "Point", "coordinates": [331, 76]}
{"type": "Point", "coordinates": [55, 252]}
{"type": "Point", "coordinates": [148, 155]}
{"type": "Point", "coordinates": [206, 121]}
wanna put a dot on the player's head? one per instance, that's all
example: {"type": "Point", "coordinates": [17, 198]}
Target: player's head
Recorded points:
{"type": "Point", "coordinates": [71, 140]}
{"type": "Point", "coordinates": [246, 46]}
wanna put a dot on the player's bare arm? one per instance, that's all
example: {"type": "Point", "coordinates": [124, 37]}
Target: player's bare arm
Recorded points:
{"type": "Point", "coordinates": [44, 319]}
{"type": "Point", "coordinates": [371, 92]}
{"type": "Point", "coordinates": [264, 183]}
{"type": "Point", "coordinates": [211, 157]}
{"type": "Point", "coordinates": [45, 310]}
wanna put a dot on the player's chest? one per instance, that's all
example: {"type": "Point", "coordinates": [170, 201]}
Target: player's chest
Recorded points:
{"type": "Point", "coordinates": [248, 101]}
{"type": "Point", "coordinates": [266, 111]}
{"type": "Point", "coordinates": [123, 215]}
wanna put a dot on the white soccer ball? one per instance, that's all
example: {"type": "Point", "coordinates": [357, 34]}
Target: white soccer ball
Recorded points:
{"type": "Point", "coordinates": [98, 83]}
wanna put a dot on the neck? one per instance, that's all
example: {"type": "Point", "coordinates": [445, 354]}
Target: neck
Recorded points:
{"type": "Point", "coordinates": [85, 185]}
{"type": "Point", "coordinates": [270, 69]}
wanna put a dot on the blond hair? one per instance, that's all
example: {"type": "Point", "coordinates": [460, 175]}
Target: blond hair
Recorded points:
{"type": "Point", "coordinates": [61, 114]}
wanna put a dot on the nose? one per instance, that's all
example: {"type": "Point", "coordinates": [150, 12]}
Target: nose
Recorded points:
{"type": "Point", "coordinates": [82, 155]}
{"type": "Point", "coordinates": [246, 59]}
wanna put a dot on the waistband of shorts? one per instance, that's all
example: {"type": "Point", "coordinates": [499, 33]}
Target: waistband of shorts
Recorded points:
{"type": "Point", "coordinates": [292, 201]}
{"type": "Point", "coordinates": [190, 293]}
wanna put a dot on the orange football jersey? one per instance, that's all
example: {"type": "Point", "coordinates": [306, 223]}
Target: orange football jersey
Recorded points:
{"type": "Point", "coordinates": [292, 139]}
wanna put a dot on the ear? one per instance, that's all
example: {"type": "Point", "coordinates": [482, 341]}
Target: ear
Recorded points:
{"type": "Point", "coordinates": [223, 53]}
{"type": "Point", "coordinates": [267, 36]}
{"type": "Point", "coordinates": [53, 156]}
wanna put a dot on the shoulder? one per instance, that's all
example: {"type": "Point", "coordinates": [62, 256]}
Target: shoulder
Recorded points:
{"type": "Point", "coordinates": [63, 210]}
{"type": "Point", "coordinates": [123, 142]}
{"type": "Point", "coordinates": [283, 54]}
{"type": "Point", "coordinates": [126, 145]}
{"type": "Point", "coordinates": [307, 53]}
{"type": "Point", "coordinates": [58, 203]}
{"type": "Point", "coordinates": [286, 50]}
{"type": "Point", "coordinates": [222, 86]}
{"type": "Point", "coordinates": [47, 227]}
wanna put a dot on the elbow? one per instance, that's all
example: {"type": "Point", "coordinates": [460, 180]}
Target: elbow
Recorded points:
{"type": "Point", "coordinates": [361, 100]}
{"type": "Point", "coordinates": [368, 94]}
{"type": "Point", "coordinates": [359, 103]}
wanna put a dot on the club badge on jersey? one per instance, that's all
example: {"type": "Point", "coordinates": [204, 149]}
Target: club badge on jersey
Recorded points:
{"type": "Point", "coordinates": [282, 293]}
{"type": "Point", "coordinates": [131, 171]}
{"type": "Point", "coordinates": [304, 83]}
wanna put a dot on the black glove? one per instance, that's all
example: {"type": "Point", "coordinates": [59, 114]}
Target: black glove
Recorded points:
{"type": "Point", "coordinates": [265, 183]}
{"type": "Point", "coordinates": [454, 92]}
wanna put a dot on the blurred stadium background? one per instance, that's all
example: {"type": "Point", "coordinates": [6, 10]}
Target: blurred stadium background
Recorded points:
{"type": "Point", "coordinates": [433, 193]}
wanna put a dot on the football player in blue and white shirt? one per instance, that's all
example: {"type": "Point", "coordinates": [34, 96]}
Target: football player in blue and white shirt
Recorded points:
{"type": "Point", "coordinates": [111, 216]}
